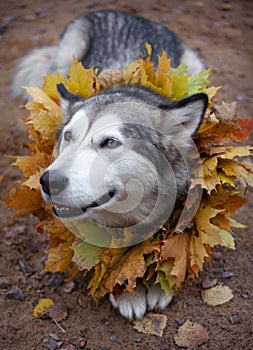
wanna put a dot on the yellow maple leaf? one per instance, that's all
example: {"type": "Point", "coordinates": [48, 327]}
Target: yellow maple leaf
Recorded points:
{"type": "Point", "coordinates": [32, 164]}
{"type": "Point", "coordinates": [132, 74]}
{"type": "Point", "coordinates": [50, 85]}
{"type": "Point", "coordinates": [58, 232]}
{"type": "Point", "coordinates": [59, 258]}
{"type": "Point", "coordinates": [197, 254]}
{"type": "Point", "coordinates": [176, 247]}
{"type": "Point", "coordinates": [44, 120]}
{"type": "Point", "coordinates": [25, 200]}
{"type": "Point", "coordinates": [206, 230]}
{"type": "Point", "coordinates": [41, 101]}
{"type": "Point", "coordinates": [42, 306]}
{"type": "Point", "coordinates": [162, 75]}
{"type": "Point", "coordinates": [83, 82]}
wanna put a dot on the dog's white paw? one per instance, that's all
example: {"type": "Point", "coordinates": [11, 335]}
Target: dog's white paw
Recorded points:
{"type": "Point", "coordinates": [131, 306]}
{"type": "Point", "coordinates": [135, 306]}
{"type": "Point", "coordinates": [157, 299]}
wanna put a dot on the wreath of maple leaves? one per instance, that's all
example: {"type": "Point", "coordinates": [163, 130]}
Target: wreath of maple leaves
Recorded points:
{"type": "Point", "coordinates": [172, 253]}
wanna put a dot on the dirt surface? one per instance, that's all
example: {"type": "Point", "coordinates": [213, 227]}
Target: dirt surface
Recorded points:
{"type": "Point", "coordinates": [222, 31]}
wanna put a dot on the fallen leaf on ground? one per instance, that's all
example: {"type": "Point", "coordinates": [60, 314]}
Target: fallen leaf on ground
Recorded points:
{"type": "Point", "coordinates": [42, 305]}
{"type": "Point", "coordinates": [191, 335]}
{"type": "Point", "coordinates": [57, 312]}
{"type": "Point", "coordinates": [217, 295]}
{"type": "Point", "coordinates": [151, 324]}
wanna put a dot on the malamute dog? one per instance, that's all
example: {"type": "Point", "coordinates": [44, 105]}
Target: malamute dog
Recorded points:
{"type": "Point", "coordinates": [123, 154]}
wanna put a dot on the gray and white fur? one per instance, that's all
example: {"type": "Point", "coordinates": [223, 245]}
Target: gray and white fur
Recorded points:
{"type": "Point", "coordinates": [123, 154]}
{"type": "Point", "coordinates": [103, 39]}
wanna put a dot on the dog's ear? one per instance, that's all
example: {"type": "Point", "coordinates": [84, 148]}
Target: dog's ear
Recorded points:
{"type": "Point", "coordinates": [188, 112]}
{"type": "Point", "coordinates": [67, 99]}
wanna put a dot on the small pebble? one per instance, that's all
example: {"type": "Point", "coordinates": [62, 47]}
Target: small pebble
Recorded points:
{"type": "Point", "coordinates": [207, 283]}
{"type": "Point", "coordinates": [235, 319]}
{"type": "Point", "coordinates": [202, 323]}
{"type": "Point", "coordinates": [57, 280]}
{"type": "Point", "coordinates": [239, 98]}
{"type": "Point", "coordinates": [113, 338]}
{"type": "Point", "coordinates": [138, 340]}
{"type": "Point", "coordinates": [180, 322]}
{"type": "Point", "coordinates": [83, 343]}
{"type": "Point", "coordinates": [33, 247]}
{"type": "Point", "coordinates": [227, 274]}
{"type": "Point", "coordinates": [245, 296]}
{"type": "Point", "coordinates": [54, 336]}
{"type": "Point", "coordinates": [4, 283]}
{"type": "Point", "coordinates": [51, 344]}
{"type": "Point", "coordinates": [16, 294]}
{"type": "Point", "coordinates": [25, 267]}
{"type": "Point", "coordinates": [69, 286]}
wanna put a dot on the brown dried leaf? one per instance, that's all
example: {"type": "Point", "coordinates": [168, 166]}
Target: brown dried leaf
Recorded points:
{"type": "Point", "coordinates": [57, 312]}
{"type": "Point", "coordinates": [191, 335]}
{"type": "Point", "coordinates": [176, 247]}
{"type": "Point", "coordinates": [109, 78]}
{"type": "Point", "coordinates": [25, 200]}
{"type": "Point", "coordinates": [217, 295]}
{"type": "Point", "coordinates": [151, 324]}
{"type": "Point", "coordinates": [59, 258]}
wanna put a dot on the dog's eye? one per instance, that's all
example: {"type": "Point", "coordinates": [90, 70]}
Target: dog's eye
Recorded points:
{"type": "Point", "coordinates": [110, 142]}
{"type": "Point", "coordinates": [67, 135]}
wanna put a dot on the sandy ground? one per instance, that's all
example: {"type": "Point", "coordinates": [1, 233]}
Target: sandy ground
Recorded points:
{"type": "Point", "coordinates": [222, 32]}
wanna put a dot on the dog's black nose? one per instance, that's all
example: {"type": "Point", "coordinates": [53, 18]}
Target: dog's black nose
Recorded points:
{"type": "Point", "coordinates": [53, 183]}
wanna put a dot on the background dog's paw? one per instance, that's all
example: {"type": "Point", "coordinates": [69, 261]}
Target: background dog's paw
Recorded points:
{"type": "Point", "coordinates": [131, 306]}
{"type": "Point", "coordinates": [157, 299]}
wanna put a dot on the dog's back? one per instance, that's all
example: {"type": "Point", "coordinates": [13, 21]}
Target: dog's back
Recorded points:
{"type": "Point", "coordinates": [103, 39]}
{"type": "Point", "coordinates": [116, 39]}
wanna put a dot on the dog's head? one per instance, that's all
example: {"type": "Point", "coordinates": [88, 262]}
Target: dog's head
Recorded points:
{"type": "Point", "coordinates": [123, 156]}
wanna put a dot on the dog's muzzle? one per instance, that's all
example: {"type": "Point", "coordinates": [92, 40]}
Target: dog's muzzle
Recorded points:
{"type": "Point", "coordinates": [53, 184]}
